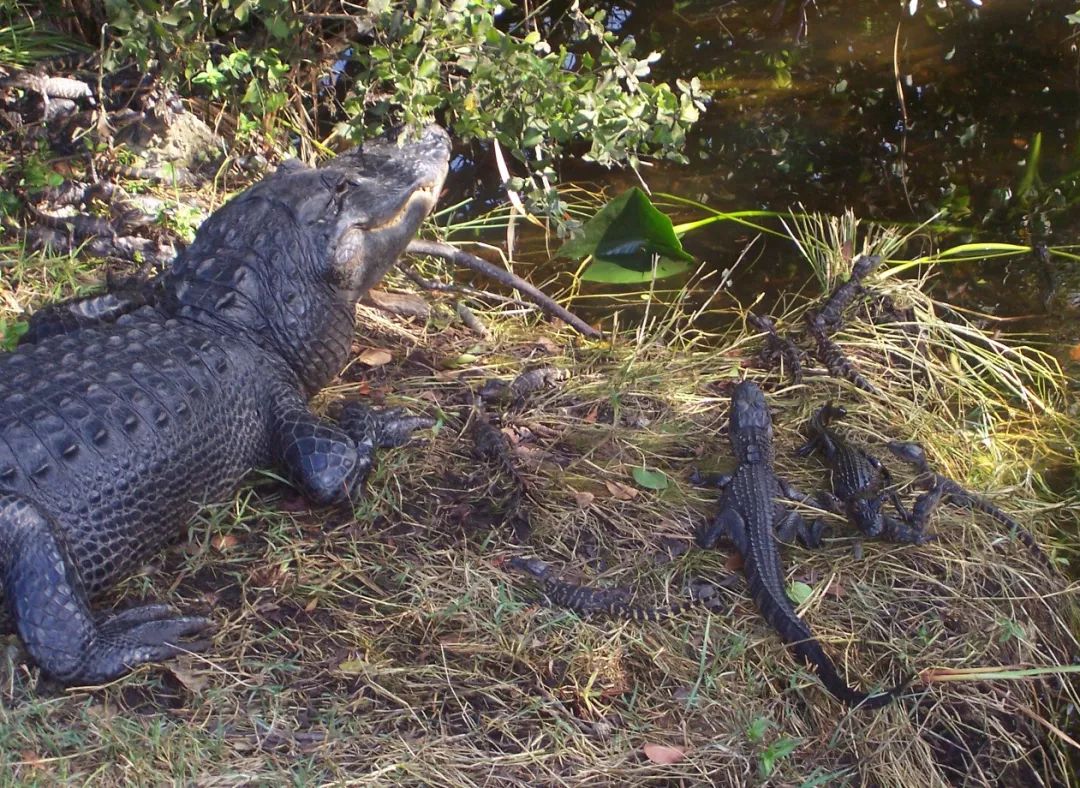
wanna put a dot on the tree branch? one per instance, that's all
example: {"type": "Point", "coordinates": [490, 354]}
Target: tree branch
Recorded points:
{"type": "Point", "coordinates": [466, 260]}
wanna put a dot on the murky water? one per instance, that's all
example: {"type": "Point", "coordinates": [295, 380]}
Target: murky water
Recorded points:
{"type": "Point", "coordinates": [806, 111]}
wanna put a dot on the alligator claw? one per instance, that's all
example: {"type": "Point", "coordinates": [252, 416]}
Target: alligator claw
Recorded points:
{"type": "Point", "coordinates": [383, 429]}
{"type": "Point", "coordinates": [715, 480]}
{"type": "Point", "coordinates": [909, 452]}
{"type": "Point", "coordinates": [151, 633]}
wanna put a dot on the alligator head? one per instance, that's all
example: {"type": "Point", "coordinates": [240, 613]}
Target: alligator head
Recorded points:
{"type": "Point", "coordinates": [750, 425]}
{"type": "Point", "coordinates": [285, 261]}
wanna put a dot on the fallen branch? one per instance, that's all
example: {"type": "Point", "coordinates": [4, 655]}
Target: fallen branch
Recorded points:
{"type": "Point", "coordinates": [546, 303]}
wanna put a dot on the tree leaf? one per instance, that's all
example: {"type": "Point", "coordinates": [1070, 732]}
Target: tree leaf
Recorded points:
{"type": "Point", "coordinates": [664, 753]}
{"type": "Point", "coordinates": [630, 240]}
{"type": "Point", "coordinates": [650, 479]}
{"type": "Point", "coordinates": [609, 273]}
{"type": "Point", "coordinates": [799, 592]}
{"type": "Point", "coordinates": [375, 357]}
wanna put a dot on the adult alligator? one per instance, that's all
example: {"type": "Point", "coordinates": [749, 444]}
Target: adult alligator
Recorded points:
{"type": "Point", "coordinates": [749, 513]}
{"type": "Point", "coordinates": [116, 424]}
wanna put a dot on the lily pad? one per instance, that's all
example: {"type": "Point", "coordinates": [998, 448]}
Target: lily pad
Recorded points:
{"type": "Point", "coordinates": [630, 241]}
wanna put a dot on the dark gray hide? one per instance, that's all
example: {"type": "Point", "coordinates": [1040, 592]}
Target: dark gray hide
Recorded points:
{"type": "Point", "coordinates": [112, 433]}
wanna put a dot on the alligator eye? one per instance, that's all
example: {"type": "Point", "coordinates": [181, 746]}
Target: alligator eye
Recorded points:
{"type": "Point", "coordinates": [341, 188]}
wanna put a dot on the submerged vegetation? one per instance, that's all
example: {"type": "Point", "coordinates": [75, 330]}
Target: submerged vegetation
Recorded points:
{"type": "Point", "coordinates": [393, 643]}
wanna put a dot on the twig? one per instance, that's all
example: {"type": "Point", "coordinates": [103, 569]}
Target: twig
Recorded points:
{"type": "Point", "coordinates": [546, 303]}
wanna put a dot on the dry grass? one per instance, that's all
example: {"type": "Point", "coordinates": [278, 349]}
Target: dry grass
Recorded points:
{"type": "Point", "coordinates": [388, 646]}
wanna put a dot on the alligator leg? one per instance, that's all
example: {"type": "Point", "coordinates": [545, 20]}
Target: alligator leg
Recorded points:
{"type": "Point", "coordinates": [47, 602]}
{"type": "Point", "coordinates": [328, 461]}
{"type": "Point", "coordinates": [944, 488]}
{"type": "Point", "coordinates": [72, 314]}
{"type": "Point", "coordinates": [904, 532]}
{"type": "Point", "coordinates": [792, 526]}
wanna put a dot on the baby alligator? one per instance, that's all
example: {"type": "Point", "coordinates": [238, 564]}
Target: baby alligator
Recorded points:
{"type": "Point", "coordinates": [748, 514]}
{"type": "Point", "coordinates": [606, 601]}
{"type": "Point", "coordinates": [945, 488]}
{"type": "Point", "coordinates": [859, 483]}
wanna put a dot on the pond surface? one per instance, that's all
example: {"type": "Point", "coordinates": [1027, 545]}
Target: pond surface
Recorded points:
{"type": "Point", "coordinates": [806, 112]}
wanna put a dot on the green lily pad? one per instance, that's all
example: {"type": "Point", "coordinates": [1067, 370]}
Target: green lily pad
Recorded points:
{"type": "Point", "coordinates": [630, 241]}
{"type": "Point", "coordinates": [650, 479]}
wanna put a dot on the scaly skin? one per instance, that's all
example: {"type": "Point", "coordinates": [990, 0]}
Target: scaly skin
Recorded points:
{"type": "Point", "coordinates": [821, 323]}
{"type": "Point", "coordinates": [942, 488]}
{"type": "Point", "coordinates": [122, 414]}
{"type": "Point", "coordinates": [858, 484]}
{"type": "Point", "coordinates": [748, 515]}
{"type": "Point", "coordinates": [602, 601]}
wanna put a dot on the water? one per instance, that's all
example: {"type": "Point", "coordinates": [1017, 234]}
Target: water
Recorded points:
{"type": "Point", "coordinates": [809, 115]}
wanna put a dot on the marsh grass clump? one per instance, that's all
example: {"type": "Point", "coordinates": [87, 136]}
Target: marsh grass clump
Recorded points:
{"type": "Point", "coordinates": [391, 644]}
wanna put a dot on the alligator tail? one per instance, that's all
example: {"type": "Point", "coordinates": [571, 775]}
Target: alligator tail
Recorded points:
{"type": "Point", "coordinates": [812, 652]}
{"type": "Point", "coordinates": [780, 613]}
{"type": "Point", "coordinates": [977, 503]}
{"type": "Point", "coordinates": [637, 613]}
{"type": "Point", "coordinates": [839, 365]}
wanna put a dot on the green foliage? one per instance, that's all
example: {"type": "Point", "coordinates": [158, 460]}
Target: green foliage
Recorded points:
{"type": "Point", "coordinates": [532, 97]}
{"type": "Point", "coordinates": [22, 43]}
{"type": "Point", "coordinates": [29, 173]}
{"type": "Point", "coordinates": [650, 478]}
{"type": "Point", "coordinates": [776, 752]}
{"type": "Point", "coordinates": [630, 241]}
{"type": "Point", "coordinates": [799, 592]}
{"type": "Point", "coordinates": [10, 333]}
{"type": "Point", "coordinates": [459, 61]}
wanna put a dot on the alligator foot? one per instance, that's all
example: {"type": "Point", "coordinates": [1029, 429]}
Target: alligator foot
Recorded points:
{"type": "Point", "coordinates": [904, 533]}
{"type": "Point", "coordinates": [384, 429]}
{"type": "Point", "coordinates": [52, 615]}
{"type": "Point", "coordinates": [150, 633]}
{"type": "Point", "coordinates": [714, 480]}
{"type": "Point", "coordinates": [793, 527]}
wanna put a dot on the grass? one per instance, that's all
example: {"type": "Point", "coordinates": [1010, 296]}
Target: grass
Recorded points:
{"type": "Point", "coordinates": [389, 646]}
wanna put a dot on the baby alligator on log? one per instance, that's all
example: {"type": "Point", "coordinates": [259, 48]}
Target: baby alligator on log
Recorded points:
{"type": "Point", "coordinates": [749, 512]}
{"type": "Point", "coordinates": [116, 424]}
{"type": "Point", "coordinates": [605, 601]}
{"type": "Point", "coordinates": [941, 487]}
{"type": "Point", "coordinates": [859, 485]}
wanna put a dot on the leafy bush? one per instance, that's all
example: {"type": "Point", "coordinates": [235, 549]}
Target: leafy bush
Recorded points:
{"type": "Point", "coordinates": [463, 62]}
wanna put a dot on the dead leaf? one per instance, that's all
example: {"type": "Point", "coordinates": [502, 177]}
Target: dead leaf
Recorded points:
{"type": "Point", "coordinates": [547, 344]}
{"type": "Point", "coordinates": [734, 561]}
{"type": "Point", "coordinates": [664, 753]}
{"type": "Point", "coordinates": [192, 682]}
{"type": "Point", "coordinates": [1074, 352]}
{"type": "Point", "coordinates": [31, 759]}
{"type": "Point", "coordinates": [836, 589]}
{"type": "Point", "coordinates": [375, 357]}
{"type": "Point", "coordinates": [583, 499]}
{"type": "Point", "coordinates": [621, 491]}
{"type": "Point", "coordinates": [403, 304]}
{"type": "Point", "coordinates": [312, 604]}
{"type": "Point", "coordinates": [223, 542]}
{"type": "Point", "coordinates": [590, 417]}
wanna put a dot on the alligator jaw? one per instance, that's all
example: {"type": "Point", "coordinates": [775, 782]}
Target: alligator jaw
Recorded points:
{"type": "Point", "coordinates": [368, 244]}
